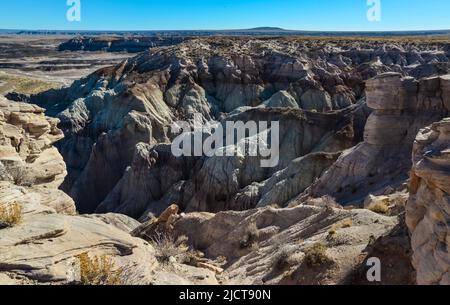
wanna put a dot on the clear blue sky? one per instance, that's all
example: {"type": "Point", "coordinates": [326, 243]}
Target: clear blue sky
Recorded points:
{"type": "Point", "coordinates": [225, 14]}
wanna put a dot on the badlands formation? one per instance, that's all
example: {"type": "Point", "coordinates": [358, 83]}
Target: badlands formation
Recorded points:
{"type": "Point", "coordinates": [363, 138]}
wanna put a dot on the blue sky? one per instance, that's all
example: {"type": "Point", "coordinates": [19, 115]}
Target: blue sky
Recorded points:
{"type": "Point", "coordinates": [225, 14]}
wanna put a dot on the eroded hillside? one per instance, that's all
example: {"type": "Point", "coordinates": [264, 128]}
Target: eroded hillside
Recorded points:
{"type": "Point", "coordinates": [349, 112]}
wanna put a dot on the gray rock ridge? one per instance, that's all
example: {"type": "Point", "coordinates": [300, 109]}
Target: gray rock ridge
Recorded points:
{"type": "Point", "coordinates": [156, 178]}
{"type": "Point", "coordinates": [105, 115]}
{"type": "Point", "coordinates": [131, 44]}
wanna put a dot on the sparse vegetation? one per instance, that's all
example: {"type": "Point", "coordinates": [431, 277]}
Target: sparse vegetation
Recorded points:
{"type": "Point", "coordinates": [250, 238]}
{"type": "Point", "coordinates": [166, 248]}
{"type": "Point", "coordinates": [346, 223]}
{"type": "Point", "coordinates": [21, 176]}
{"type": "Point", "coordinates": [10, 215]}
{"type": "Point", "coordinates": [316, 255]}
{"type": "Point", "coordinates": [24, 85]}
{"type": "Point", "coordinates": [281, 260]}
{"type": "Point", "coordinates": [324, 201]}
{"type": "Point", "coordinates": [333, 231]}
{"type": "Point", "coordinates": [99, 270]}
{"type": "Point", "coordinates": [379, 207]}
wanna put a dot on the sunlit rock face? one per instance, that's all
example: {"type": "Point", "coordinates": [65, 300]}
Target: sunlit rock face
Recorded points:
{"type": "Point", "coordinates": [428, 209]}
{"type": "Point", "coordinates": [107, 115]}
{"type": "Point", "coordinates": [401, 107]}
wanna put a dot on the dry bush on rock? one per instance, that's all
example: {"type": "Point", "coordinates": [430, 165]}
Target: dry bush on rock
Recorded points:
{"type": "Point", "coordinates": [10, 215]}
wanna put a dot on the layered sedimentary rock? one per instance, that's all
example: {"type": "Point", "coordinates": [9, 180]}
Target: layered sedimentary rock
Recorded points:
{"type": "Point", "coordinates": [26, 151]}
{"type": "Point", "coordinates": [106, 116]}
{"type": "Point", "coordinates": [118, 44]}
{"type": "Point", "coordinates": [309, 144]}
{"type": "Point", "coordinates": [402, 106]}
{"type": "Point", "coordinates": [44, 242]}
{"type": "Point", "coordinates": [45, 247]}
{"type": "Point", "coordinates": [428, 208]}
{"type": "Point", "coordinates": [272, 246]}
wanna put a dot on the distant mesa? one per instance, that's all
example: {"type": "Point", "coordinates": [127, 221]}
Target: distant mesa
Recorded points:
{"type": "Point", "coordinates": [267, 28]}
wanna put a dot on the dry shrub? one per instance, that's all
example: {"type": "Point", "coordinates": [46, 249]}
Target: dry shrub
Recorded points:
{"type": "Point", "coordinates": [333, 230]}
{"type": "Point", "coordinates": [316, 255]}
{"type": "Point", "coordinates": [324, 201]}
{"type": "Point", "coordinates": [250, 237]}
{"type": "Point", "coordinates": [21, 176]}
{"type": "Point", "coordinates": [167, 247]}
{"type": "Point", "coordinates": [379, 207]}
{"type": "Point", "coordinates": [99, 270]}
{"type": "Point", "coordinates": [10, 215]}
{"type": "Point", "coordinates": [281, 260]}
{"type": "Point", "coordinates": [347, 223]}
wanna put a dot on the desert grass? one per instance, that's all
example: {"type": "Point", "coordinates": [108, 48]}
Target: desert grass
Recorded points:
{"type": "Point", "coordinates": [10, 215]}
{"type": "Point", "coordinates": [24, 85]}
{"type": "Point", "coordinates": [99, 270]}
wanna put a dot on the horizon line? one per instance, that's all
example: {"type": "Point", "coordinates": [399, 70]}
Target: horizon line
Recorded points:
{"type": "Point", "coordinates": [261, 29]}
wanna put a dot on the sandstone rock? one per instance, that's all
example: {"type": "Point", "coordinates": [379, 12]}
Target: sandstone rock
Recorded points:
{"type": "Point", "coordinates": [44, 248]}
{"type": "Point", "coordinates": [107, 115]}
{"type": "Point", "coordinates": [26, 138]}
{"type": "Point", "coordinates": [402, 106]}
{"type": "Point", "coordinates": [45, 244]}
{"type": "Point", "coordinates": [428, 211]}
{"type": "Point", "coordinates": [276, 253]}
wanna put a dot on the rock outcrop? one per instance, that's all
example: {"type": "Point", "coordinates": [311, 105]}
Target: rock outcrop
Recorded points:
{"type": "Point", "coordinates": [402, 106]}
{"type": "Point", "coordinates": [106, 115]}
{"type": "Point", "coordinates": [27, 154]}
{"type": "Point", "coordinates": [310, 143]}
{"type": "Point", "coordinates": [45, 247]}
{"type": "Point", "coordinates": [45, 242]}
{"type": "Point", "coordinates": [132, 44]}
{"type": "Point", "coordinates": [273, 246]}
{"type": "Point", "coordinates": [428, 209]}
{"type": "Point", "coordinates": [348, 117]}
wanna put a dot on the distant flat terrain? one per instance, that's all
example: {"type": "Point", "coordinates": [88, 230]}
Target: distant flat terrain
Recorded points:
{"type": "Point", "coordinates": [30, 63]}
{"type": "Point", "coordinates": [259, 31]}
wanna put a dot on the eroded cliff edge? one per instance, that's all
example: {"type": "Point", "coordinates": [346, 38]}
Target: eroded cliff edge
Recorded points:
{"type": "Point", "coordinates": [315, 88]}
{"type": "Point", "coordinates": [428, 209]}
{"type": "Point", "coordinates": [42, 239]}
{"type": "Point", "coordinates": [117, 122]}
